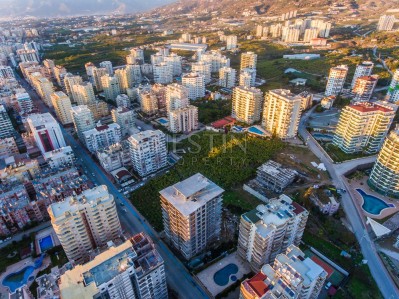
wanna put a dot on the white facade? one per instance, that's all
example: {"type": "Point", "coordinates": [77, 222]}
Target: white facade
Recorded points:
{"type": "Point", "coordinates": [102, 136]}
{"type": "Point", "coordinates": [248, 60]}
{"type": "Point", "coordinates": [363, 69]}
{"type": "Point", "coordinates": [24, 102]}
{"type": "Point", "coordinates": [227, 77]}
{"type": "Point", "coordinates": [123, 101]}
{"type": "Point", "coordinates": [83, 94]}
{"type": "Point", "coordinates": [216, 59]}
{"type": "Point", "coordinates": [59, 157]}
{"type": "Point", "coordinates": [231, 42]}
{"type": "Point", "coordinates": [114, 157]}
{"type": "Point", "coordinates": [46, 132]}
{"type": "Point", "coordinates": [6, 128]}
{"type": "Point", "coordinates": [176, 62]}
{"type": "Point", "coordinates": [364, 88]}
{"type": "Point", "coordinates": [6, 72]}
{"type": "Point", "coordinates": [247, 77]}
{"type": "Point", "coordinates": [111, 87]}
{"type": "Point", "coordinates": [148, 151]}
{"type": "Point", "coordinates": [247, 104]}
{"type": "Point", "coordinates": [386, 22]}
{"type": "Point", "coordinates": [336, 80]}
{"type": "Point", "coordinates": [83, 120]}
{"type": "Point", "coordinates": [183, 119]}
{"type": "Point", "coordinates": [108, 66]}
{"type": "Point", "coordinates": [203, 69]}
{"type": "Point", "coordinates": [393, 90]}
{"type": "Point", "coordinates": [125, 118]}
{"type": "Point", "coordinates": [195, 84]}
{"type": "Point", "coordinates": [148, 102]}
{"type": "Point", "coordinates": [62, 106]}
{"type": "Point", "coordinates": [176, 96]}
{"type": "Point", "coordinates": [163, 73]}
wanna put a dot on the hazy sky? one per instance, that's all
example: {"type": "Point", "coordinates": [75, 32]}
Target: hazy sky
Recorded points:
{"type": "Point", "coordinates": [52, 8]}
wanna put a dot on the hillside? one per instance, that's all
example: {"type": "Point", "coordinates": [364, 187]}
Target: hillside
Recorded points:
{"type": "Point", "coordinates": [235, 8]}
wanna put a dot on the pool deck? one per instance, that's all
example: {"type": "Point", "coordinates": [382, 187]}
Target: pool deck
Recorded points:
{"type": "Point", "coordinates": [206, 276]}
{"type": "Point", "coordinates": [362, 184]}
{"type": "Point", "coordinates": [4, 291]}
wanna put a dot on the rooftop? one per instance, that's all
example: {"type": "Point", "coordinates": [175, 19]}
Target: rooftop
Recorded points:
{"type": "Point", "coordinates": [366, 107]}
{"type": "Point", "coordinates": [192, 193]}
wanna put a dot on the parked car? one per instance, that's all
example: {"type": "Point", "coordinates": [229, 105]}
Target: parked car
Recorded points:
{"type": "Point", "coordinates": [328, 285]}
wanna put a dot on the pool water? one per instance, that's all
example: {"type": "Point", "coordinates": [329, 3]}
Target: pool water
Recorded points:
{"type": "Point", "coordinates": [222, 276]}
{"type": "Point", "coordinates": [18, 279]}
{"type": "Point", "coordinates": [322, 136]}
{"type": "Point", "coordinates": [373, 205]}
{"type": "Point", "coordinates": [163, 121]}
{"type": "Point", "coordinates": [46, 243]}
{"type": "Point", "coordinates": [255, 131]}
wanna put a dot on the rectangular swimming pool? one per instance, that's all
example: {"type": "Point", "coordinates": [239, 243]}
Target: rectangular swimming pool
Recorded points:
{"type": "Point", "coordinates": [46, 243]}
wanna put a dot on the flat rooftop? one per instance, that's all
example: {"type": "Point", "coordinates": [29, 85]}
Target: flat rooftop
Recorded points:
{"type": "Point", "coordinates": [192, 193]}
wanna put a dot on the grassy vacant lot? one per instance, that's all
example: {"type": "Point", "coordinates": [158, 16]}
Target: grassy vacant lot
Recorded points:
{"type": "Point", "coordinates": [209, 111]}
{"type": "Point", "coordinates": [338, 155]}
{"type": "Point", "coordinates": [227, 159]}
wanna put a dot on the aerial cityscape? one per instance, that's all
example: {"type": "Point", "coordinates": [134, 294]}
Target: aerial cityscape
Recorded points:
{"type": "Point", "coordinates": [199, 149]}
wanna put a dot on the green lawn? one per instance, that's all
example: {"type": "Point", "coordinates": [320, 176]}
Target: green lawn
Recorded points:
{"type": "Point", "coordinates": [6, 261]}
{"type": "Point", "coordinates": [338, 155]}
{"type": "Point", "coordinates": [228, 160]}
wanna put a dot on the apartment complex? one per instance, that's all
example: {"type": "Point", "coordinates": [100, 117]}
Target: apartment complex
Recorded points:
{"type": "Point", "coordinates": [247, 104]}
{"type": "Point", "coordinates": [202, 68]}
{"type": "Point", "coordinates": [247, 77]}
{"type": "Point", "coordinates": [248, 60]}
{"type": "Point", "coordinates": [163, 73]}
{"type": "Point", "coordinates": [183, 119]}
{"type": "Point", "coordinates": [46, 132]}
{"type": "Point", "coordinates": [191, 211]}
{"type": "Point", "coordinates": [6, 128]}
{"type": "Point", "coordinates": [269, 230]}
{"type": "Point", "coordinates": [148, 102]}
{"type": "Point", "coordinates": [393, 90]}
{"type": "Point", "coordinates": [216, 59]}
{"type": "Point", "coordinates": [336, 80]}
{"type": "Point", "coordinates": [363, 126]}
{"type": "Point", "coordinates": [84, 222]}
{"type": "Point", "coordinates": [231, 42]}
{"type": "Point", "coordinates": [227, 77]}
{"type": "Point", "coordinates": [364, 88]}
{"type": "Point", "coordinates": [24, 102]}
{"type": "Point", "coordinates": [386, 23]}
{"type": "Point", "coordinates": [292, 275]}
{"type": "Point", "coordinates": [125, 118]}
{"type": "Point", "coordinates": [59, 157]}
{"type": "Point", "coordinates": [274, 176]}
{"type": "Point", "coordinates": [282, 113]}
{"type": "Point", "coordinates": [110, 85]}
{"type": "Point", "coordinates": [62, 106]}
{"type": "Point", "coordinates": [384, 176]}
{"type": "Point", "coordinates": [363, 69]}
{"type": "Point", "coordinates": [195, 84]}
{"type": "Point", "coordinates": [83, 120]}
{"type": "Point", "coordinates": [114, 156]}
{"type": "Point", "coordinates": [102, 136]}
{"type": "Point", "coordinates": [133, 270]}
{"type": "Point", "coordinates": [148, 151]}
{"type": "Point", "coordinates": [176, 96]}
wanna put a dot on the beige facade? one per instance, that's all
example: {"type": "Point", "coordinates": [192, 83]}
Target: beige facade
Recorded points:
{"type": "Point", "coordinates": [62, 106]}
{"type": "Point", "coordinates": [247, 104]}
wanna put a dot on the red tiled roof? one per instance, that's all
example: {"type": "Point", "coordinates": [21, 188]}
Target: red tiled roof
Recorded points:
{"type": "Point", "coordinates": [369, 107]}
{"type": "Point", "coordinates": [298, 208]}
{"type": "Point", "coordinates": [258, 285]}
{"type": "Point", "coordinates": [223, 122]}
{"type": "Point", "coordinates": [368, 78]}
{"type": "Point", "coordinates": [324, 265]}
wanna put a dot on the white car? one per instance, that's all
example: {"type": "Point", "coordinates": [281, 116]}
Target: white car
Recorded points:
{"type": "Point", "coordinates": [328, 285]}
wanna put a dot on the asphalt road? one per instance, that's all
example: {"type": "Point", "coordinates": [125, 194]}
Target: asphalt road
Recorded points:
{"type": "Point", "coordinates": [178, 278]}
{"type": "Point", "coordinates": [354, 216]}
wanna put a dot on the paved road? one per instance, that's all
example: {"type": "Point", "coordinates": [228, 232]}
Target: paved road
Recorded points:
{"type": "Point", "coordinates": [178, 278]}
{"type": "Point", "coordinates": [18, 236]}
{"type": "Point", "coordinates": [354, 216]}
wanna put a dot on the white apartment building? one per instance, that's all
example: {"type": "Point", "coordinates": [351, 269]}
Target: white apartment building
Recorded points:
{"type": "Point", "coordinates": [290, 34]}
{"type": "Point", "coordinates": [195, 84]}
{"type": "Point", "coordinates": [98, 73]}
{"type": "Point", "coordinates": [282, 113]}
{"type": "Point", "coordinates": [248, 60]}
{"type": "Point", "coordinates": [176, 96]}
{"type": "Point", "coordinates": [102, 136]}
{"type": "Point", "coordinates": [133, 270]}
{"type": "Point", "coordinates": [216, 59]}
{"type": "Point", "coordinates": [108, 66]}
{"type": "Point", "coordinates": [364, 88]}
{"type": "Point", "coordinates": [393, 90]}
{"type": "Point", "coordinates": [123, 101]}
{"type": "Point", "coordinates": [24, 102]}
{"type": "Point", "coordinates": [148, 151]}
{"type": "Point", "coordinates": [386, 23]}
{"type": "Point", "coordinates": [8, 147]}
{"type": "Point", "coordinates": [269, 230]}
{"type": "Point", "coordinates": [363, 126]}
{"type": "Point", "coordinates": [202, 68]}
{"type": "Point", "coordinates": [336, 80]}
{"type": "Point", "coordinates": [310, 34]}
{"type": "Point", "coordinates": [133, 75]}
{"type": "Point", "coordinates": [227, 77]}
{"type": "Point", "coordinates": [137, 55]}
{"type": "Point", "coordinates": [125, 118]}
{"type": "Point", "coordinates": [84, 222]}
{"type": "Point", "coordinates": [44, 88]}
{"type": "Point", "coordinates": [247, 104]}
{"type": "Point", "coordinates": [247, 77]}
{"type": "Point", "coordinates": [363, 69]}
{"type": "Point", "coordinates": [384, 176]}
{"type": "Point", "coordinates": [114, 157]}
{"type": "Point", "coordinates": [83, 93]}
{"type": "Point", "coordinates": [83, 120]}
{"type": "Point", "coordinates": [59, 157]}
{"type": "Point", "coordinates": [28, 55]}
{"type": "Point", "coordinates": [62, 106]}
{"type": "Point", "coordinates": [191, 211]}
{"type": "Point", "coordinates": [157, 58]}
{"type": "Point", "coordinates": [69, 81]}
{"type": "Point", "coordinates": [148, 102]}
{"type": "Point", "coordinates": [231, 42]}
{"type": "Point", "coordinates": [6, 72]}
{"type": "Point", "coordinates": [46, 132]}
{"type": "Point", "coordinates": [163, 73]}
{"type": "Point", "coordinates": [6, 128]}
{"type": "Point", "coordinates": [59, 74]}
{"type": "Point", "coordinates": [183, 119]}
{"type": "Point", "coordinates": [89, 67]}
{"type": "Point", "coordinates": [110, 86]}
{"type": "Point", "coordinates": [175, 61]}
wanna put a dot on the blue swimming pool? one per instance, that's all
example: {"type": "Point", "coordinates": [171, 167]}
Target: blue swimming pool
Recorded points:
{"type": "Point", "coordinates": [163, 121]}
{"type": "Point", "coordinates": [255, 130]}
{"type": "Point", "coordinates": [373, 205]}
{"type": "Point", "coordinates": [222, 276]}
{"type": "Point", "coordinates": [18, 279]}
{"type": "Point", "coordinates": [323, 136]}
{"type": "Point", "coordinates": [46, 243]}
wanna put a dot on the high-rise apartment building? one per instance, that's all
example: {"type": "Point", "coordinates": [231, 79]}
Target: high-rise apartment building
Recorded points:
{"type": "Point", "coordinates": [98, 73]}
{"type": "Point", "coordinates": [89, 67]}
{"type": "Point", "coordinates": [290, 34]}
{"type": "Point", "coordinates": [227, 77]}
{"type": "Point", "coordinates": [386, 23]}
{"type": "Point", "coordinates": [247, 104]}
{"type": "Point", "coordinates": [44, 88]}
{"type": "Point", "coordinates": [269, 230]}
{"type": "Point", "coordinates": [363, 126]}
{"type": "Point", "coordinates": [83, 93]}
{"type": "Point", "coordinates": [175, 61]}
{"type": "Point", "coordinates": [248, 60]}
{"type": "Point", "coordinates": [247, 77]}
{"type": "Point", "coordinates": [393, 90]}
{"type": "Point", "coordinates": [176, 96]}
{"type": "Point", "coordinates": [364, 88]}
{"type": "Point", "coordinates": [46, 132]}
{"type": "Point", "coordinates": [282, 112]}
{"type": "Point", "coordinates": [6, 72]}
{"type": "Point", "coordinates": [125, 118]}
{"type": "Point", "coordinates": [202, 68]}
{"type": "Point", "coordinates": [110, 86]}
{"type": "Point", "coordinates": [6, 128]}
{"type": "Point", "coordinates": [231, 42]}
{"type": "Point", "coordinates": [84, 222]}
{"type": "Point", "coordinates": [24, 102]}
{"type": "Point", "coordinates": [163, 73]}
{"type": "Point", "coordinates": [183, 119]}
{"type": "Point", "coordinates": [363, 69]}
{"type": "Point", "coordinates": [384, 176]}
{"type": "Point", "coordinates": [195, 84]}
{"type": "Point", "coordinates": [59, 74]}
{"type": "Point", "coordinates": [133, 270]}
{"type": "Point", "coordinates": [191, 211]}
{"type": "Point", "coordinates": [62, 106]}
{"type": "Point", "coordinates": [28, 55]}
{"type": "Point", "coordinates": [216, 59]}
{"type": "Point", "coordinates": [336, 80]}
{"type": "Point", "coordinates": [148, 151]}
{"type": "Point", "coordinates": [292, 275]}
{"type": "Point", "coordinates": [102, 136]}
{"type": "Point", "coordinates": [69, 81]}
{"type": "Point", "coordinates": [148, 102]}
{"type": "Point", "coordinates": [136, 56]}
{"type": "Point", "coordinates": [123, 101]}
{"type": "Point", "coordinates": [83, 120]}
{"type": "Point", "coordinates": [108, 66]}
